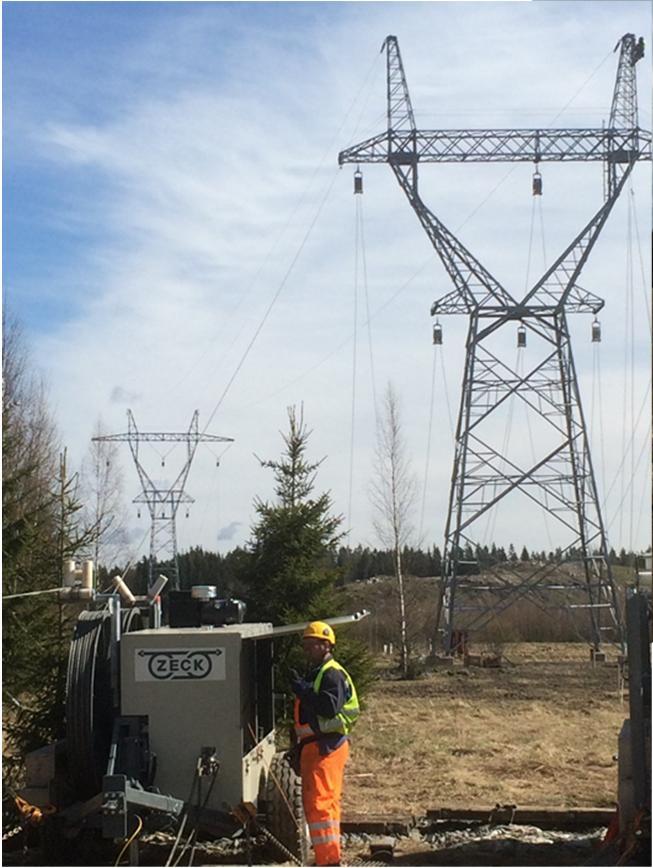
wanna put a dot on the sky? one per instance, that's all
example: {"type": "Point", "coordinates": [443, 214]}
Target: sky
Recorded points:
{"type": "Point", "coordinates": [177, 235]}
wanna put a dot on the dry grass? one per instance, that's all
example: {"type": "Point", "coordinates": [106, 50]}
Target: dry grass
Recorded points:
{"type": "Point", "coordinates": [539, 732]}
{"type": "Point", "coordinates": [522, 621]}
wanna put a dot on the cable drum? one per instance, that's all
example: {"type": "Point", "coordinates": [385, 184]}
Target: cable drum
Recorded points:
{"type": "Point", "coordinates": [90, 709]}
{"type": "Point", "coordinates": [89, 705]}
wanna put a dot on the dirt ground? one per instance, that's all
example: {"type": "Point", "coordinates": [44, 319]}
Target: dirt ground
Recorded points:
{"type": "Point", "coordinates": [540, 731]}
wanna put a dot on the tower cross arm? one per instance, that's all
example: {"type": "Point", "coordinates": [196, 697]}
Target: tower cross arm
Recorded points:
{"type": "Point", "coordinates": [452, 302]}
{"type": "Point", "coordinates": [165, 437]}
{"type": "Point", "coordinates": [155, 495]}
{"type": "Point", "coordinates": [501, 146]}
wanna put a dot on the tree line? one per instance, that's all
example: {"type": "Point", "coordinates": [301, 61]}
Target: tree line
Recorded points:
{"type": "Point", "coordinates": [229, 571]}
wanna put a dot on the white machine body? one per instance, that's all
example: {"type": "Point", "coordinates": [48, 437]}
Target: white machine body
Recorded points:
{"type": "Point", "coordinates": [204, 688]}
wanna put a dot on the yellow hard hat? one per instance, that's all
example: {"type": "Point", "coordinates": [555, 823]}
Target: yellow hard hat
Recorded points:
{"type": "Point", "coordinates": [320, 630]}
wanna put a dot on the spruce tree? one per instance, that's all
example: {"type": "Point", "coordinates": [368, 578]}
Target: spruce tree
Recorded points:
{"type": "Point", "coordinates": [293, 541]}
{"type": "Point", "coordinates": [291, 571]}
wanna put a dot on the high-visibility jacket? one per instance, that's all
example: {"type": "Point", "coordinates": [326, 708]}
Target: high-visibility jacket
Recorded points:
{"type": "Point", "coordinates": [343, 721]}
{"type": "Point", "coordinates": [348, 715]}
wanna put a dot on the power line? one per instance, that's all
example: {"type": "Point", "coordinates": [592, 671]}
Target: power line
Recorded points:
{"type": "Point", "coordinates": [273, 301]}
{"type": "Point", "coordinates": [427, 462]}
{"type": "Point", "coordinates": [297, 253]}
{"type": "Point", "coordinates": [353, 364]}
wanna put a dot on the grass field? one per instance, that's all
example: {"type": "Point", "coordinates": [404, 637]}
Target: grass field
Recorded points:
{"type": "Point", "coordinates": [540, 731]}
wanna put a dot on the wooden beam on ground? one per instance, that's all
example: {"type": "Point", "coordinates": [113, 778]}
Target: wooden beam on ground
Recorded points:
{"type": "Point", "coordinates": [543, 818]}
{"type": "Point", "coordinates": [377, 824]}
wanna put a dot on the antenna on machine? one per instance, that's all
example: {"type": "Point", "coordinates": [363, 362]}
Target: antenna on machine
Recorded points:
{"type": "Point", "coordinates": [163, 502]}
{"type": "Point", "coordinates": [561, 480]}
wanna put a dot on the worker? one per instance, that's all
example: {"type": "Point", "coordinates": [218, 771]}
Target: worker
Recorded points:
{"type": "Point", "coordinates": [326, 708]}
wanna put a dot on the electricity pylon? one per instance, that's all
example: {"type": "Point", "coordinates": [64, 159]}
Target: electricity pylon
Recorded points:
{"type": "Point", "coordinates": [163, 503]}
{"type": "Point", "coordinates": [487, 468]}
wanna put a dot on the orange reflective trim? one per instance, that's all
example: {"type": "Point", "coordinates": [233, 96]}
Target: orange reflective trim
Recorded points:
{"type": "Point", "coordinates": [329, 838]}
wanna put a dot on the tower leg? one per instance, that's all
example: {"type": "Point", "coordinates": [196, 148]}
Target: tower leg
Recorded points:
{"type": "Point", "coordinates": [560, 480]}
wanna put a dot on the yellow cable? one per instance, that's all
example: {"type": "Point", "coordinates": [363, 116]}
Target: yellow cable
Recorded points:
{"type": "Point", "coordinates": [129, 840]}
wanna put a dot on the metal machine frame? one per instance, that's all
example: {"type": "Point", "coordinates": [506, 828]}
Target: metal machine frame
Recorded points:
{"type": "Point", "coordinates": [206, 732]}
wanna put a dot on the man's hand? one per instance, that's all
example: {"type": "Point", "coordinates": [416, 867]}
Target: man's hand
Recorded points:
{"type": "Point", "coordinates": [300, 686]}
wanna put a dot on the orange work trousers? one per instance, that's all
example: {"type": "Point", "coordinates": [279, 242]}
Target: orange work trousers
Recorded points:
{"type": "Point", "coordinates": [322, 778]}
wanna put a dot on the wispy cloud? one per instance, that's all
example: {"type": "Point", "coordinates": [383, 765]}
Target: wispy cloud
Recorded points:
{"type": "Point", "coordinates": [228, 532]}
{"type": "Point", "coordinates": [194, 188]}
{"type": "Point", "coordinates": [122, 396]}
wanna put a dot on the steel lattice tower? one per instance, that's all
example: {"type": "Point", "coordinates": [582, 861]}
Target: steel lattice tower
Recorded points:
{"type": "Point", "coordinates": [163, 503]}
{"type": "Point", "coordinates": [559, 479]}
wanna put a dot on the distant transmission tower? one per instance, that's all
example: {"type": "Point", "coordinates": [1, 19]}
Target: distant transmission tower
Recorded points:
{"type": "Point", "coordinates": [487, 468]}
{"type": "Point", "coordinates": [163, 503]}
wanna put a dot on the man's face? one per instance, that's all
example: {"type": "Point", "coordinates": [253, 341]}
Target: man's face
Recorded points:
{"type": "Point", "coordinates": [315, 650]}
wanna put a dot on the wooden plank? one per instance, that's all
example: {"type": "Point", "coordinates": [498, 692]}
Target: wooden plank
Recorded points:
{"type": "Point", "coordinates": [543, 818]}
{"type": "Point", "coordinates": [377, 824]}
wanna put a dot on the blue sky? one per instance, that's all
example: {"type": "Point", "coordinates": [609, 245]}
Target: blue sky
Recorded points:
{"type": "Point", "coordinates": [168, 166]}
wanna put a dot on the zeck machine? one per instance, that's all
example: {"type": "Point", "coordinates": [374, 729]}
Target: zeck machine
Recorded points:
{"type": "Point", "coordinates": [173, 724]}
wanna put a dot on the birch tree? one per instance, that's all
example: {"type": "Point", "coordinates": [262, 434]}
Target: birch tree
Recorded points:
{"type": "Point", "coordinates": [392, 493]}
{"type": "Point", "coordinates": [102, 487]}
